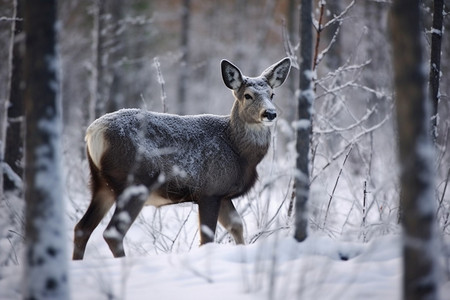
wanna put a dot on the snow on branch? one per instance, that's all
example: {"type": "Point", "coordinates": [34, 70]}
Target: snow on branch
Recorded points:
{"type": "Point", "coordinates": [339, 18]}
{"type": "Point", "coordinates": [343, 69]}
{"type": "Point", "coordinates": [6, 19]}
{"type": "Point", "coordinates": [350, 143]}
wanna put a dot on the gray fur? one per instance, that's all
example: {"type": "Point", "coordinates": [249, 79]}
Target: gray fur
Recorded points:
{"type": "Point", "coordinates": [141, 156]}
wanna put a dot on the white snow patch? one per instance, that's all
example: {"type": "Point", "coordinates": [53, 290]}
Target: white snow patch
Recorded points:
{"type": "Point", "coordinates": [436, 31]}
{"type": "Point", "coordinates": [112, 233]}
{"type": "Point", "coordinates": [301, 124]}
{"type": "Point", "coordinates": [277, 267]}
{"type": "Point", "coordinates": [133, 192]}
{"type": "Point", "coordinates": [124, 217]}
{"type": "Point", "coordinates": [12, 176]}
{"type": "Point", "coordinates": [311, 75]}
{"type": "Point", "coordinates": [206, 230]}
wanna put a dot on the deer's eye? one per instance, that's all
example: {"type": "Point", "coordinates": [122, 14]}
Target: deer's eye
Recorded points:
{"type": "Point", "coordinates": [248, 96]}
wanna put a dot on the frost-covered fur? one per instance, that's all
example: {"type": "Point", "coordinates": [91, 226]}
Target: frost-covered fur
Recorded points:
{"type": "Point", "coordinates": [139, 157]}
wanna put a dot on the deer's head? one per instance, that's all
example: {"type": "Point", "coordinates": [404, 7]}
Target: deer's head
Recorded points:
{"type": "Point", "coordinates": [254, 95]}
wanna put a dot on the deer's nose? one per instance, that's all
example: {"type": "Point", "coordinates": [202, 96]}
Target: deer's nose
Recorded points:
{"type": "Point", "coordinates": [270, 114]}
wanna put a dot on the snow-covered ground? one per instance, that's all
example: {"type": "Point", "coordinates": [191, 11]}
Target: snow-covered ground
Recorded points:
{"type": "Point", "coordinates": [276, 267]}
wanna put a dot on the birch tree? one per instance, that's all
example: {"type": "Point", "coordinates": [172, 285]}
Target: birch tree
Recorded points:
{"type": "Point", "coordinates": [45, 275]}
{"type": "Point", "coordinates": [304, 123]}
{"type": "Point", "coordinates": [415, 154]}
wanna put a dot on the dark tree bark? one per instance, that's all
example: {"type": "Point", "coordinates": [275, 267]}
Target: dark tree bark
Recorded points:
{"type": "Point", "coordinates": [420, 250]}
{"type": "Point", "coordinates": [99, 100]}
{"type": "Point", "coordinates": [16, 110]}
{"type": "Point", "coordinates": [239, 14]}
{"type": "Point", "coordinates": [45, 275]}
{"type": "Point", "coordinates": [435, 63]}
{"type": "Point", "coordinates": [184, 63]}
{"type": "Point", "coordinates": [3, 165]}
{"type": "Point", "coordinates": [3, 125]}
{"type": "Point", "coordinates": [115, 87]}
{"type": "Point", "coordinates": [293, 37]}
{"type": "Point", "coordinates": [334, 55]}
{"type": "Point", "coordinates": [304, 123]}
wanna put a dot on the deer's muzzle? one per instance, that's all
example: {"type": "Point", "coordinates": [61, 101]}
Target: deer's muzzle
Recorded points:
{"type": "Point", "coordinates": [269, 115]}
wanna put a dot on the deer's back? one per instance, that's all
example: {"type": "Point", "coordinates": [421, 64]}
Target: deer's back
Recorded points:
{"type": "Point", "coordinates": [190, 155]}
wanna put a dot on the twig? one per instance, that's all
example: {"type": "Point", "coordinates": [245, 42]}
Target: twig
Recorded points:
{"type": "Point", "coordinates": [288, 48]}
{"type": "Point", "coordinates": [364, 212]}
{"type": "Point", "coordinates": [322, 54]}
{"type": "Point", "coordinates": [351, 143]}
{"type": "Point", "coordinates": [335, 129]}
{"type": "Point", "coordinates": [344, 68]}
{"type": "Point", "coordinates": [181, 227]}
{"type": "Point", "coordinates": [161, 82]}
{"type": "Point", "coordinates": [319, 31]}
{"type": "Point", "coordinates": [364, 203]}
{"type": "Point", "coordinates": [443, 192]}
{"type": "Point", "coordinates": [10, 19]}
{"type": "Point", "coordinates": [335, 185]}
{"type": "Point", "coordinates": [339, 17]}
{"type": "Point", "coordinates": [269, 223]}
{"type": "Point", "coordinates": [320, 27]}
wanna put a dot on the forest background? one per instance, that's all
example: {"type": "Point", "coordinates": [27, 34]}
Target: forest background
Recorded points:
{"type": "Point", "coordinates": [165, 55]}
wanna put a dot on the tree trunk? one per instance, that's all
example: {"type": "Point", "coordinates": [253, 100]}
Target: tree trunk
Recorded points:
{"type": "Point", "coordinates": [14, 132]}
{"type": "Point", "coordinates": [100, 100]}
{"type": "Point", "coordinates": [3, 125]}
{"type": "Point", "coordinates": [2, 143]}
{"type": "Point", "coordinates": [334, 55]}
{"type": "Point", "coordinates": [435, 63]}
{"type": "Point", "coordinates": [45, 275]}
{"type": "Point", "coordinates": [415, 154]}
{"type": "Point", "coordinates": [184, 65]}
{"type": "Point", "coordinates": [304, 123]}
{"type": "Point", "coordinates": [115, 86]}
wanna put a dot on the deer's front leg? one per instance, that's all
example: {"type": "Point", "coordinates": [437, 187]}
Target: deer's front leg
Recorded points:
{"type": "Point", "coordinates": [208, 211]}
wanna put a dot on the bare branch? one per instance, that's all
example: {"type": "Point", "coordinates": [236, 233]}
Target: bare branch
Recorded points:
{"type": "Point", "coordinates": [350, 143]}
{"type": "Point", "coordinates": [339, 17]}
{"type": "Point", "coordinates": [335, 185]}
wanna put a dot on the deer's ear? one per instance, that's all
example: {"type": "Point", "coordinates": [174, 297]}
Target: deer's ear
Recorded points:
{"type": "Point", "coordinates": [277, 73]}
{"type": "Point", "coordinates": [231, 75]}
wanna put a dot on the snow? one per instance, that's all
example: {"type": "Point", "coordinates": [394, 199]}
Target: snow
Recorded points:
{"type": "Point", "coordinates": [274, 268]}
{"type": "Point", "coordinates": [12, 176]}
{"type": "Point", "coordinates": [277, 267]}
{"type": "Point", "coordinates": [301, 124]}
{"type": "Point", "coordinates": [436, 31]}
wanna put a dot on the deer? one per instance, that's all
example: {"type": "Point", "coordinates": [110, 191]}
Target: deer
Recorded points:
{"type": "Point", "coordinates": [138, 157]}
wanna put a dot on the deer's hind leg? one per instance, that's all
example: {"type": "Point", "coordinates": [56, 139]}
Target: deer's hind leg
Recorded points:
{"type": "Point", "coordinates": [102, 201]}
{"type": "Point", "coordinates": [129, 205]}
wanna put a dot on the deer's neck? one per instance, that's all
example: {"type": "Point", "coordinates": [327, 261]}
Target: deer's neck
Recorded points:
{"type": "Point", "coordinates": [250, 141]}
